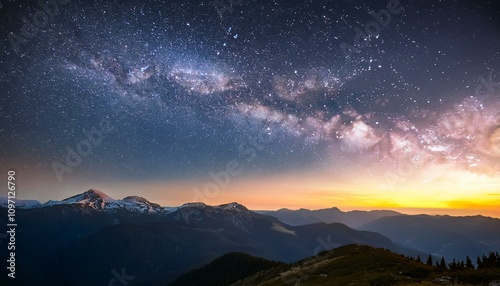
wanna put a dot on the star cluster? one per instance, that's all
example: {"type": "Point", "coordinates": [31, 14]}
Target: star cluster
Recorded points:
{"type": "Point", "coordinates": [196, 80]}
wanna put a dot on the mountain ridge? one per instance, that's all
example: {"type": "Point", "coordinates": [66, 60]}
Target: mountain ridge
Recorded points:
{"type": "Point", "coordinates": [83, 234]}
{"type": "Point", "coordinates": [365, 265]}
{"type": "Point", "coordinates": [448, 236]}
{"type": "Point", "coordinates": [304, 216]}
{"type": "Point", "coordinates": [31, 203]}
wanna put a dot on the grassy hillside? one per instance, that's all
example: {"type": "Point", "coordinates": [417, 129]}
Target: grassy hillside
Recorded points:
{"type": "Point", "coordinates": [364, 265]}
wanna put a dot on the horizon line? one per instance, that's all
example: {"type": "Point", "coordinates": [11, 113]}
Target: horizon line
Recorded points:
{"type": "Point", "coordinates": [396, 210]}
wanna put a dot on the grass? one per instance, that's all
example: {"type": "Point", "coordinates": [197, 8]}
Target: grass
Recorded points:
{"type": "Point", "coordinates": [364, 266]}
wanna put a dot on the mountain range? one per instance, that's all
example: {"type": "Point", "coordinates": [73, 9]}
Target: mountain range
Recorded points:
{"type": "Point", "coordinates": [351, 218]}
{"type": "Point", "coordinates": [96, 200]}
{"type": "Point", "coordinates": [442, 236]}
{"type": "Point", "coordinates": [94, 233]}
{"type": "Point", "coordinates": [451, 237]}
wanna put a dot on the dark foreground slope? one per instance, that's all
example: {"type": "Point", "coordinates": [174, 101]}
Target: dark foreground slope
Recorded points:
{"type": "Point", "coordinates": [225, 270]}
{"type": "Point", "coordinates": [365, 265]}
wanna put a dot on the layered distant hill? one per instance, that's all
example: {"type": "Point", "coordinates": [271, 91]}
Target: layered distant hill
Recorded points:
{"type": "Point", "coordinates": [351, 218]}
{"type": "Point", "coordinates": [61, 242]}
{"type": "Point", "coordinates": [451, 237]}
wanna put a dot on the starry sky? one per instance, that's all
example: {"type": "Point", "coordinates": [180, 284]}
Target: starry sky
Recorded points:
{"type": "Point", "coordinates": [314, 104]}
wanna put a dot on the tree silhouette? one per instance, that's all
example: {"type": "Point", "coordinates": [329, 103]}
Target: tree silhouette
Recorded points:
{"type": "Point", "coordinates": [429, 260]}
{"type": "Point", "coordinates": [468, 263]}
{"type": "Point", "coordinates": [454, 265]}
{"type": "Point", "coordinates": [442, 264]}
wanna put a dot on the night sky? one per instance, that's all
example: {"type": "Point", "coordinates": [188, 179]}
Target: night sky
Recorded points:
{"type": "Point", "coordinates": [269, 103]}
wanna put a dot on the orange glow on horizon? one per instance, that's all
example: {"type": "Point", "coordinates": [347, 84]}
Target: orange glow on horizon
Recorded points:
{"type": "Point", "coordinates": [435, 190]}
{"type": "Point", "coordinates": [452, 193]}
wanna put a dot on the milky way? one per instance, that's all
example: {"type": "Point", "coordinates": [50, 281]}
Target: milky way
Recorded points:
{"type": "Point", "coordinates": [197, 82]}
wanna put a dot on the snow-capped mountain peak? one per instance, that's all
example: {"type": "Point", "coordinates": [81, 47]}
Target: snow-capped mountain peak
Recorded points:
{"type": "Point", "coordinates": [92, 198]}
{"type": "Point", "coordinates": [226, 207]}
{"type": "Point", "coordinates": [194, 205]}
{"type": "Point", "coordinates": [234, 206]}
{"type": "Point", "coordinates": [98, 200]}
{"type": "Point", "coordinates": [136, 199]}
{"type": "Point", "coordinates": [232, 214]}
{"type": "Point", "coordinates": [91, 195]}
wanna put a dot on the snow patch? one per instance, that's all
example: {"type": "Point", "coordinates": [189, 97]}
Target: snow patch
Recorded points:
{"type": "Point", "coordinates": [280, 228]}
{"type": "Point", "coordinates": [21, 204]}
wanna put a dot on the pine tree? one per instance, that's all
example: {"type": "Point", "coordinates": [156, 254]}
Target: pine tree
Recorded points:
{"type": "Point", "coordinates": [442, 264]}
{"type": "Point", "coordinates": [418, 258]}
{"type": "Point", "coordinates": [468, 263]}
{"type": "Point", "coordinates": [429, 260]}
{"type": "Point", "coordinates": [492, 260]}
{"type": "Point", "coordinates": [453, 265]}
